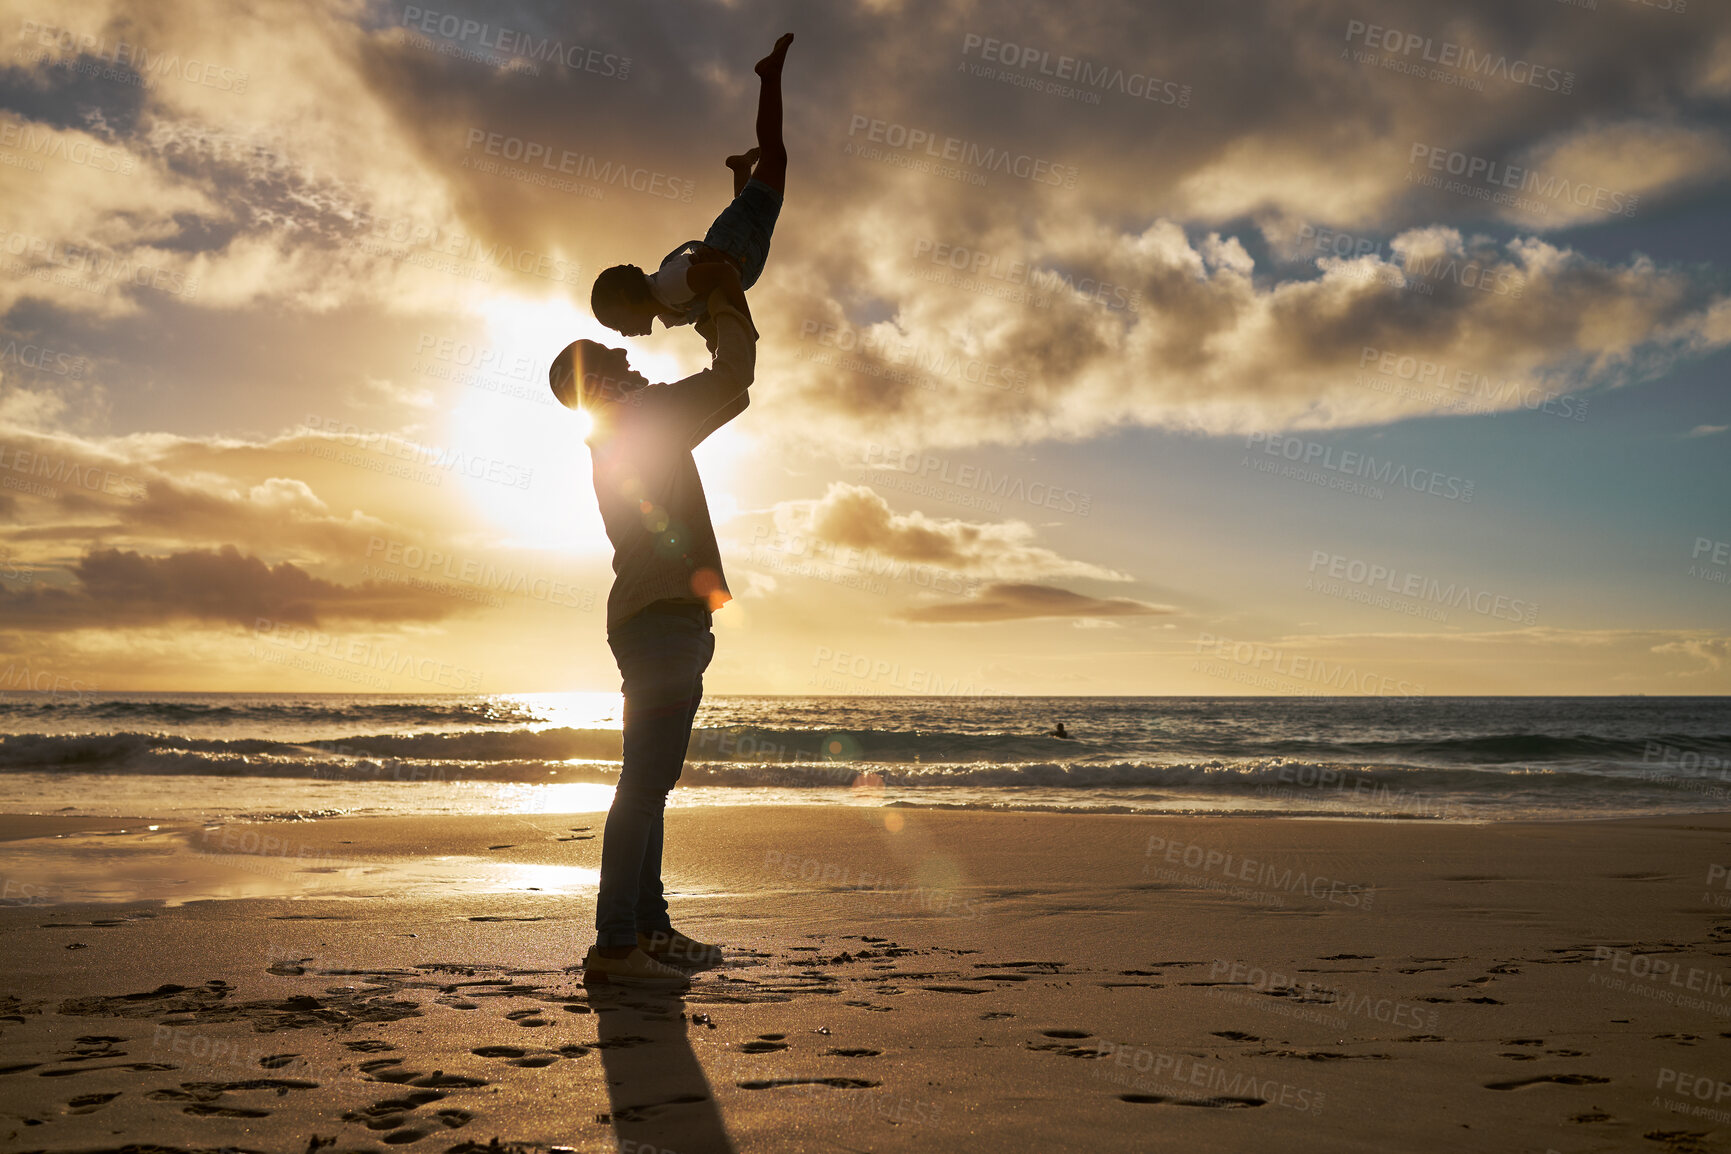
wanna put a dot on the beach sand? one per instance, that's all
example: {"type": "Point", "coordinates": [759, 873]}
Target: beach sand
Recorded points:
{"type": "Point", "coordinates": [897, 979]}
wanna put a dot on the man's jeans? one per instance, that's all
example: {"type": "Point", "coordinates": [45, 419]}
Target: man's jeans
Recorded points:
{"type": "Point", "coordinates": [661, 656]}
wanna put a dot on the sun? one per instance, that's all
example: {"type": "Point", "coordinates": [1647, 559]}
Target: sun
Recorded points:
{"type": "Point", "coordinates": [525, 466]}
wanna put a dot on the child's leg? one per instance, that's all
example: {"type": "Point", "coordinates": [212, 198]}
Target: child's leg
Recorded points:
{"type": "Point", "coordinates": [741, 166]}
{"type": "Point", "coordinates": [772, 163]}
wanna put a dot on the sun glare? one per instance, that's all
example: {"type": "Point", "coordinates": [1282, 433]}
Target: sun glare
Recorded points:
{"type": "Point", "coordinates": [524, 463]}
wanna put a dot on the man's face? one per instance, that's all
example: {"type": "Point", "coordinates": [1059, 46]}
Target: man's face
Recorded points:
{"type": "Point", "coordinates": [609, 375]}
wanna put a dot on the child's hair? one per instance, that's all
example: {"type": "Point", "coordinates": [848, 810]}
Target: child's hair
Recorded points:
{"type": "Point", "coordinates": [622, 286]}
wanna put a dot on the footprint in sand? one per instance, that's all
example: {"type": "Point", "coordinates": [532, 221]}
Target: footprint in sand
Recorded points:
{"type": "Point", "coordinates": [994, 1015]}
{"type": "Point", "coordinates": [836, 1083]}
{"type": "Point", "coordinates": [1222, 1103]}
{"type": "Point", "coordinates": [386, 1122]}
{"type": "Point", "coordinates": [504, 918]}
{"type": "Point", "coordinates": [622, 1042]}
{"type": "Point", "coordinates": [385, 1070]}
{"type": "Point", "coordinates": [204, 1096]}
{"type": "Point", "coordinates": [1060, 1044]}
{"type": "Point", "coordinates": [648, 1110]}
{"type": "Point", "coordinates": [89, 1103]}
{"type": "Point", "coordinates": [87, 1046]}
{"type": "Point", "coordinates": [839, 1053]}
{"type": "Point", "coordinates": [1322, 1055]}
{"type": "Point", "coordinates": [529, 1018]}
{"type": "Point", "coordinates": [369, 1046]}
{"type": "Point", "coordinates": [141, 1067]}
{"type": "Point", "coordinates": [391, 1113]}
{"type": "Point", "coordinates": [765, 1044]}
{"type": "Point", "coordinates": [1559, 1079]}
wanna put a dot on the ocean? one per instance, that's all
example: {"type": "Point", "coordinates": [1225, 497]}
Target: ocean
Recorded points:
{"type": "Point", "coordinates": [210, 756]}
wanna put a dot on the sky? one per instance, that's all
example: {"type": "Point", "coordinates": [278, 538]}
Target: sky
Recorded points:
{"type": "Point", "coordinates": [1279, 348]}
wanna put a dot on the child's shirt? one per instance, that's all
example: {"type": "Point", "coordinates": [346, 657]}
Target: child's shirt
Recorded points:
{"type": "Point", "coordinates": [668, 286]}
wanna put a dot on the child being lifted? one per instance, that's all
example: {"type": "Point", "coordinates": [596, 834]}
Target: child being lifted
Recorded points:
{"type": "Point", "coordinates": [731, 255]}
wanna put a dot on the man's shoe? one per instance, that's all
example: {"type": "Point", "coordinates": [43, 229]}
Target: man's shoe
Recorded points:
{"type": "Point", "coordinates": [634, 969]}
{"type": "Point", "coordinates": [675, 949]}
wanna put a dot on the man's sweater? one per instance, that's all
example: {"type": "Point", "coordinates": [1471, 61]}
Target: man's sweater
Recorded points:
{"type": "Point", "coordinates": [646, 481]}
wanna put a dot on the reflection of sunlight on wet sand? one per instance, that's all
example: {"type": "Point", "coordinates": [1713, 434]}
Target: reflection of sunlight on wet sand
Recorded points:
{"type": "Point", "coordinates": [569, 797]}
{"type": "Point", "coordinates": [174, 868]}
{"type": "Point", "coordinates": [483, 876]}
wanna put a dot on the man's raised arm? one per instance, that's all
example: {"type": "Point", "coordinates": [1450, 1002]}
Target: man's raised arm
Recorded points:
{"type": "Point", "coordinates": [697, 401]}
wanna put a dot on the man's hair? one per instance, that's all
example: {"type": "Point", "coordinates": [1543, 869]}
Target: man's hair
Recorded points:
{"type": "Point", "coordinates": [623, 285]}
{"type": "Point", "coordinates": [582, 361]}
{"type": "Point", "coordinates": [562, 374]}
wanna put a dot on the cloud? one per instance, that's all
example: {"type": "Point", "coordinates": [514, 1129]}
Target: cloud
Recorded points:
{"type": "Point", "coordinates": [168, 491]}
{"type": "Point", "coordinates": [349, 174]}
{"type": "Point", "coordinates": [1706, 431]}
{"type": "Point", "coordinates": [1608, 164]}
{"type": "Point", "coordinates": [858, 517]}
{"type": "Point", "coordinates": [1711, 650]}
{"type": "Point", "coordinates": [1004, 601]}
{"type": "Point", "coordinates": [118, 589]}
{"type": "Point", "coordinates": [1219, 345]}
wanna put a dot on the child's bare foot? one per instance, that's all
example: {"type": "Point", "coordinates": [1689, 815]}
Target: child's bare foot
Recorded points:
{"type": "Point", "coordinates": [771, 64]}
{"type": "Point", "coordinates": [741, 167]}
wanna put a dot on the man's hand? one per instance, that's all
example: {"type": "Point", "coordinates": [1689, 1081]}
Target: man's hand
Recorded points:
{"type": "Point", "coordinates": [708, 254]}
{"type": "Point", "coordinates": [704, 279]}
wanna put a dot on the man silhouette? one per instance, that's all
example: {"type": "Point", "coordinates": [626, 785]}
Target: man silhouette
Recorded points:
{"type": "Point", "coordinates": [667, 582]}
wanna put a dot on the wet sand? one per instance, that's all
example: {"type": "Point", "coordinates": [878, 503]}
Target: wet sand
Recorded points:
{"type": "Point", "coordinates": [896, 979]}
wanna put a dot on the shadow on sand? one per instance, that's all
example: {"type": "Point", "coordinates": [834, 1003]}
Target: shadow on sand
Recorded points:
{"type": "Point", "coordinates": [660, 1097]}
